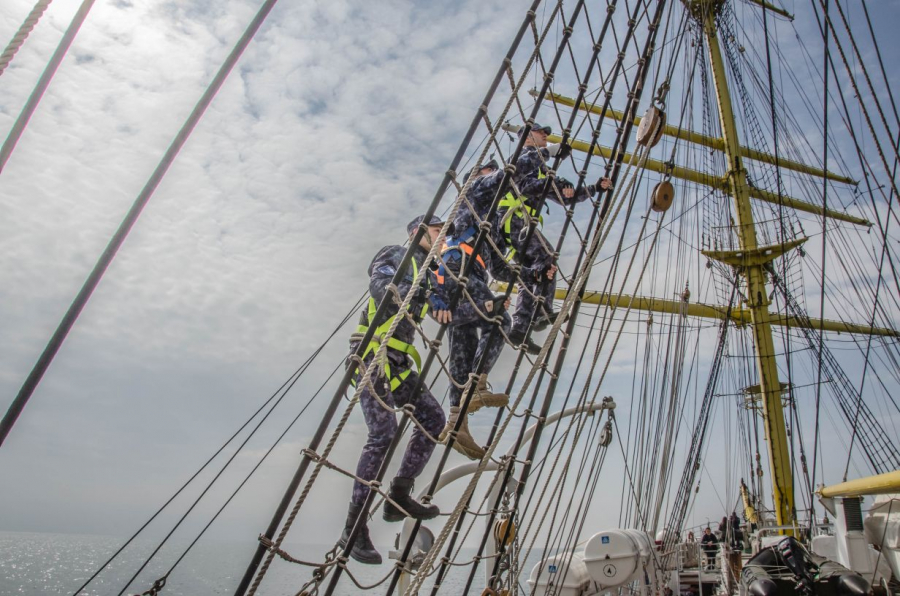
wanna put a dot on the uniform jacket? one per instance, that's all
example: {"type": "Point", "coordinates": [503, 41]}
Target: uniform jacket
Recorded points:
{"type": "Point", "coordinates": [381, 272]}
{"type": "Point", "coordinates": [531, 162]}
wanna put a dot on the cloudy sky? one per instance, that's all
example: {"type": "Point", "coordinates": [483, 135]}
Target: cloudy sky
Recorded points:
{"type": "Point", "coordinates": [330, 135]}
{"type": "Point", "coordinates": [333, 131]}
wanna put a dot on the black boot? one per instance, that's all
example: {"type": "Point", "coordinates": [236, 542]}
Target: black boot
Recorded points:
{"type": "Point", "coordinates": [363, 550]}
{"type": "Point", "coordinates": [543, 321]}
{"type": "Point", "coordinates": [517, 337]}
{"type": "Point", "coordinates": [400, 492]}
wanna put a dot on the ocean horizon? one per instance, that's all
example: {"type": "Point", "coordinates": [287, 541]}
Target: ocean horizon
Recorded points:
{"type": "Point", "coordinates": [45, 564]}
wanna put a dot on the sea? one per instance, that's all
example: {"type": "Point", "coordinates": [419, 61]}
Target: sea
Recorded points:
{"type": "Point", "coordinates": [43, 564]}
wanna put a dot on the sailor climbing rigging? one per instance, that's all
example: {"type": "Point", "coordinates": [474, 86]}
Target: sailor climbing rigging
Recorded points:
{"type": "Point", "coordinates": [537, 279]}
{"type": "Point", "coordinates": [477, 313]}
{"type": "Point", "coordinates": [391, 389]}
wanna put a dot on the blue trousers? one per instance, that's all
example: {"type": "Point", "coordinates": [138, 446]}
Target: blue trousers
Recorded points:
{"type": "Point", "coordinates": [469, 333]}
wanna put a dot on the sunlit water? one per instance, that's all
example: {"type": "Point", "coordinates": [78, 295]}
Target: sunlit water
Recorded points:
{"type": "Point", "coordinates": [33, 564]}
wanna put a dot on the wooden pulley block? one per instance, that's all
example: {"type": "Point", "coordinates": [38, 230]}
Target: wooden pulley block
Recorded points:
{"type": "Point", "coordinates": [650, 129]}
{"type": "Point", "coordinates": [662, 197]}
{"type": "Point", "coordinates": [500, 531]}
{"type": "Point", "coordinates": [489, 592]}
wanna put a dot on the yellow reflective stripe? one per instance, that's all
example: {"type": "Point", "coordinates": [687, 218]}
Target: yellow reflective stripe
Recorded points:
{"type": "Point", "coordinates": [511, 201]}
{"type": "Point", "coordinates": [515, 206]}
{"type": "Point", "coordinates": [398, 380]}
{"type": "Point", "coordinates": [394, 344]}
{"type": "Point", "coordinates": [372, 309]}
{"type": "Point", "coordinates": [400, 346]}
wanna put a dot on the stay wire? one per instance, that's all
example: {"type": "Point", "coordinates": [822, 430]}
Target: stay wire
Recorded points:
{"type": "Point", "coordinates": [884, 77]}
{"type": "Point", "coordinates": [578, 288]}
{"type": "Point", "coordinates": [634, 98]}
{"type": "Point", "coordinates": [892, 194]}
{"type": "Point", "coordinates": [87, 289]}
{"type": "Point", "coordinates": [829, 25]}
{"type": "Point", "coordinates": [237, 452]}
{"type": "Point", "coordinates": [257, 465]}
{"type": "Point", "coordinates": [285, 387]}
{"type": "Point", "coordinates": [380, 315]}
{"type": "Point", "coordinates": [546, 484]}
{"type": "Point", "coordinates": [859, 152]}
{"type": "Point", "coordinates": [480, 239]}
{"type": "Point", "coordinates": [43, 83]}
{"type": "Point", "coordinates": [579, 185]}
{"type": "Point", "coordinates": [679, 509]}
{"type": "Point", "coordinates": [553, 544]}
{"type": "Point", "coordinates": [568, 219]}
{"type": "Point", "coordinates": [826, 58]}
{"type": "Point", "coordinates": [881, 453]}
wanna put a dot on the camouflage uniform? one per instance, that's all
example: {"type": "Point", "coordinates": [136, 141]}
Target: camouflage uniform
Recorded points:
{"type": "Point", "coordinates": [382, 424]}
{"type": "Point", "coordinates": [537, 256]}
{"type": "Point", "coordinates": [480, 195]}
{"type": "Point", "coordinates": [469, 333]}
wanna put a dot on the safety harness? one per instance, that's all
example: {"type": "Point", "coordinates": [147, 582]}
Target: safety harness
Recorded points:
{"type": "Point", "coordinates": [457, 247]}
{"type": "Point", "coordinates": [393, 343]}
{"type": "Point", "coordinates": [516, 207]}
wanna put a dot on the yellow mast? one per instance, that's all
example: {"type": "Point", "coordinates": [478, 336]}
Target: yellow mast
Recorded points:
{"type": "Point", "coordinates": [739, 316]}
{"type": "Point", "coordinates": [754, 274]}
{"type": "Point", "coordinates": [871, 485]}
{"type": "Point", "coordinates": [683, 173]}
{"type": "Point", "coordinates": [698, 139]}
{"type": "Point", "coordinates": [751, 260]}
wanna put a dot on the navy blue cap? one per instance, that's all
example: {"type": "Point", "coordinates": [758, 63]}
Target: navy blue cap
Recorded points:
{"type": "Point", "coordinates": [545, 129]}
{"type": "Point", "coordinates": [411, 226]}
{"type": "Point", "coordinates": [491, 164]}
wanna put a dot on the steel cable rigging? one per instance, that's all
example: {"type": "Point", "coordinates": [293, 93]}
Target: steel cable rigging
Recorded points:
{"type": "Point", "coordinates": [882, 455]}
{"type": "Point", "coordinates": [616, 70]}
{"type": "Point", "coordinates": [634, 98]}
{"type": "Point", "coordinates": [532, 375]}
{"type": "Point", "coordinates": [431, 354]}
{"type": "Point", "coordinates": [277, 397]}
{"type": "Point", "coordinates": [115, 243]}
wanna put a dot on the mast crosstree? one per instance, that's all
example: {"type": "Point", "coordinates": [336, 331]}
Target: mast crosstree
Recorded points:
{"type": "Point", "coordinates": [754, 275]}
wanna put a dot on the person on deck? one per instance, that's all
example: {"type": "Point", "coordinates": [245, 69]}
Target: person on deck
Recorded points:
{"type": "Point", "coordinates": [737, 536]}
{"type": "Point", "coordinates": [537, 278]}
{"type": "Point", "coordinates": [393, 388]}
{"type": "Point", "coordinates": [722, 532]}
{"type": "Point", "coordinates": [710, 545]}
{"type": "Point", "coordinates": [471, 323]}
